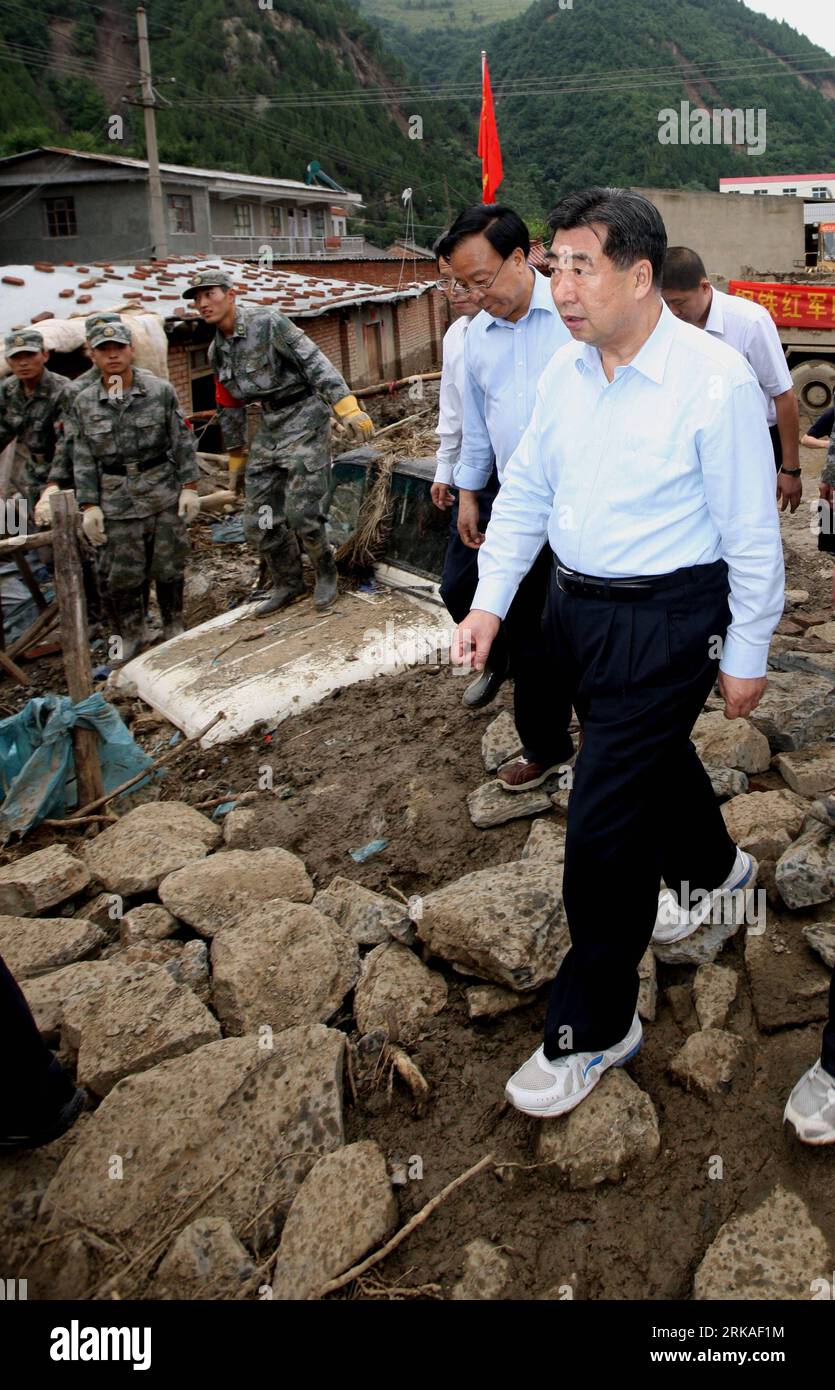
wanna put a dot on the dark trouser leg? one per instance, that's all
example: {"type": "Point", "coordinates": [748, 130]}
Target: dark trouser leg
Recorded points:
{"type": "Point", "coordinates": [169, 552]}
{"type": "Point", "coordinates": [541, 693]}
{"type": "Point", "coordinates": [828, 1048]}
{"type": "Point", "coordinates": [265, 526]}
{"type": "Point", "coordinates": [123, 563]}
{"type": "Point", "coordinates": [459, 578]}
{"type": "Point", "coordinates": [34, 1085]}
{"type": "Point", "coordinates": [777, 446]}
{"type": "Point", "coordinates": [642, 674]}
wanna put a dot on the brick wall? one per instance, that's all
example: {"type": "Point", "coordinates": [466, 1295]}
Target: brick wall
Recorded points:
{"type": "Point", "coordinates": [390, 273]}
{"type": "Point", "coordinates": [178, 374]}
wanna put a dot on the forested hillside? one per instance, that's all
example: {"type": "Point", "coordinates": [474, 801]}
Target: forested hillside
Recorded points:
{"type": "Point", "coordinates": [239, 80]}
{"type": "Point", "coordinates": [578, 90]}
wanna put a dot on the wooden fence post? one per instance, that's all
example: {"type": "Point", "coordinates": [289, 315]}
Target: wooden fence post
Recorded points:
{"type": "Point", "coordinates": [72, 607]}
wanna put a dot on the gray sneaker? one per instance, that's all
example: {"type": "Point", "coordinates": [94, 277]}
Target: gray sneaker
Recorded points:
{"type": "Point", "coordinates": [811, 1107]}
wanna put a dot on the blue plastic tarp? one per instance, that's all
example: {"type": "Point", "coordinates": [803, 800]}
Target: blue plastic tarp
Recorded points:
{"type": "Point", "coordinates": [37, 767]}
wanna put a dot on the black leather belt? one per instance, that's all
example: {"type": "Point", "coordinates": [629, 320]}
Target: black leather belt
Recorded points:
{"type": "Point", "coordinates": [618, 590]}
{"type": "Point", "coordinates": [279, 401]}
{"type": "Point", "coordinates": [119, 470]}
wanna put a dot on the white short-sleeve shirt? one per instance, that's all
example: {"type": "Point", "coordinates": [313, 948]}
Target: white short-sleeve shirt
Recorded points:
{"type": "Point", "coordinates": [750, 329]}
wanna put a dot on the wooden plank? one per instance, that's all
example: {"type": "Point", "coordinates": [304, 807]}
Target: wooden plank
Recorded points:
{"type": "Point", "coordinates": [30, 581]}
{"type": "Point", "coordinates": [41, 624]}
{"type": "Point", "coordinates": [69, 590]}
{"type": "Point", "coordinates": [6, 664]}
{"type": "Point", "coordinates": [31, 542]}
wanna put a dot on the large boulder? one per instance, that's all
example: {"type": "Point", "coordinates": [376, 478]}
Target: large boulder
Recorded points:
{"type": "Point", "coordinates": [210, 894]}
{"type": "Point", "coordinates": [147, 922]}
{"type": "Point", "coordinates": [821, 938]}
{"type": "Point", "coordinates": [772, 1253]}
{"type": "Point", "coordinates": [234, 1123]}
{"type": "Point", "coordinates": [127, 1025]}
{"type": "Point", "coordinates": [397, 993]}
{"type": "Point", "coordinates": [46, 995]}
{"type": "Point", "coordinates": [505, 924]}
{"type": "Point", "coordinates": [33, 945]}
{"type": "Point", "coordinates": [808, 771]}
{"type": "Point", "coordinates": [369, 917]}
{"type": "Point", "coordinates": [722, 742]}
{"type": "Point", "coordinates": [796, 709]}
{"type": "Point", "coordinates": [805, 872]}
{"type": "Point", "coordinates": [760, 821]}
{"type": "Point", "coordinates": [546, 840]}
{"type": "Point", "coordinates": [41, 880]}
{"type": "Point", "coordinates": [284, 964]}
{"type": "Point", "coordinates": [149, 842]}
{"type": "Point", "coordinates": [614, 1130]}
{"type": "Point", "coordinates": [344, 1208]}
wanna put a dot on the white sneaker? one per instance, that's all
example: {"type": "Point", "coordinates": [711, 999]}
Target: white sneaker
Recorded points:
{"type": "Point", "coordinates": [811, 1107]}
{"type": "Point", "coordinates": [542, 1087]}
{"type": "Point", "coordinates": [674, 922]}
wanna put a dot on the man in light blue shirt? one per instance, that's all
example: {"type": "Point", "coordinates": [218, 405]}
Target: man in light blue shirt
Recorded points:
{"type": "Point", "coordinates": [648, 466]}
{"type": "Point", "coordinates": [507, 346]}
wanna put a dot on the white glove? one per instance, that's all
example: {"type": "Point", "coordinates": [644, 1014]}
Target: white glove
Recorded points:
{"type": "Point", "coordinates": [189, 504]}
{"type": "Point", "coordinates": [43, 514]}
{"type": "Point", "coordinates": [92, 524]}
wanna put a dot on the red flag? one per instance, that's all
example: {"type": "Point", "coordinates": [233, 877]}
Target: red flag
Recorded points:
{"type": "Point", "coordinates": [488, 140]}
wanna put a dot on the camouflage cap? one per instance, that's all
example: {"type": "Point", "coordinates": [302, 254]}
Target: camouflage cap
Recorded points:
{"type": "Point", "coordinates": [101, 316]}
{"type": "Point", "coordinates": [205, 279]}
{"type": "Point", "coordinates": [105, 333]}
{"type": "Point", "coordinates": [25, 340]}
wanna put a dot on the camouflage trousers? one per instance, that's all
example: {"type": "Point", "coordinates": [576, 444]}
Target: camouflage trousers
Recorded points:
{"type": "Point", "coordinates": [142, 548]}
{"type": "Point", "coordinates": [287, 497]}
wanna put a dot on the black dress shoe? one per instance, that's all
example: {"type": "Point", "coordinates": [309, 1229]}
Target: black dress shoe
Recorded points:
{"type": "Point", "coordinates": [34, 1135]}
{"type": "Point", "coordinates": [481, 691]}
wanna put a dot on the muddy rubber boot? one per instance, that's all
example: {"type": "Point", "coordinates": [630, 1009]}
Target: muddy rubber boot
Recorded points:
{"type": "Point", "coordinates": [129, 606]}
{"type": "Point", "coordinates": [324, 592]}
{"type": "Point", "coordinates": [287, 580]}
{"type": "Point", "coordinates": [170, 600]}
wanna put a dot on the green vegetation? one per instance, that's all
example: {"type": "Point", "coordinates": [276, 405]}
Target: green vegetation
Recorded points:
{"type": "Point", "coordinates": [217, 62]}
{"type": "Point", "coordinates": [416, 16]}
{"type": "Point", "coordinates": [228, 66]}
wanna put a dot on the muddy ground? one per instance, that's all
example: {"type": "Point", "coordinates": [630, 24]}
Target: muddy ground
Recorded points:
{"type": "Point", "coordinates": [395, 759]}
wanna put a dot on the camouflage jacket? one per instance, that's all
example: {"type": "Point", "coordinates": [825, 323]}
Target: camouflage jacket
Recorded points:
{"type": "Point", "coordinates": [36, 421]}
{"type": "Point", "coordinates": [828, 474]}
{"type": "Point", "coordinates": [267, 356]}
{"type": "Point", "coordinates": [61, 471]}
{"type": "Point", "coordinates": [131, 455]}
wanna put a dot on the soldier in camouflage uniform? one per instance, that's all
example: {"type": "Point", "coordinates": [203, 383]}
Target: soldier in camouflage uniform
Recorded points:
{"type": "Point", "coordinates": [33, 401]}
{"type": "Point", "coordinates": [135, 466]}
{"type": "Point", "coordinates": [259, 355]}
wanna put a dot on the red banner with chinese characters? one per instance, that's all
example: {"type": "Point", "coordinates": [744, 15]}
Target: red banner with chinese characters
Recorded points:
{"type": "Point", "coordinates": [791, 306]}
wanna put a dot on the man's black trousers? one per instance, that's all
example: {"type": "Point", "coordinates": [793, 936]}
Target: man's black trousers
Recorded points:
{"type": "Point", "coordinates": [541, 705]}
{"type": "Point", "coordinates": [33, 1084]}
{"type": "Point", "coordinates": [641, 806]}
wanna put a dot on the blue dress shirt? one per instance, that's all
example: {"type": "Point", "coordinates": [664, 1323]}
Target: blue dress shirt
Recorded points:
{"type": "Point", "coordinates": [503, 363]}
{"type": "Point", "coordinates": [669, 464]}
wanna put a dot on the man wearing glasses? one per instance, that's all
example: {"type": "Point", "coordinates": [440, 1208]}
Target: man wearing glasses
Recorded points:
{"type": "Point", "coordinates": [507, 346]}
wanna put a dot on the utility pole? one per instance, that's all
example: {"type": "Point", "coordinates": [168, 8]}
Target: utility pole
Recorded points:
{"type": "Point", "coordinates": [156, 207]}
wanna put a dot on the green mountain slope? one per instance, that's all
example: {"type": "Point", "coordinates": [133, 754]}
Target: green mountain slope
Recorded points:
{"type": "Point", "coordinates": [578, 91]}
{"type": "Point", "coordinates": [415, 16]}
{"type": "Point", "coordinates": [239, 80]}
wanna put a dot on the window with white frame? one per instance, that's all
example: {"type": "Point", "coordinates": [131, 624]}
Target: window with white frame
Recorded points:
{"type": "Point", "coordinates": [243, 219]}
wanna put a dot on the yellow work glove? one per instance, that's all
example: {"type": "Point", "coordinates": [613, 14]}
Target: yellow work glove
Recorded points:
{"type": "Point", "coordinates": [237, 468]}
{"type": "Point", "coordinates": [92, 524]}
{"type": "Point", "coordinates": [43, 513]}
{"type": "Point", "coordinates": [188, 505]}
{"type": "Point", "coordinates": [350, 414]}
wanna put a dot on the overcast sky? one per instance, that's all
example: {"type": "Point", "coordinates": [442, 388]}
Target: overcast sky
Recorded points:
{"type": "Point", "coordinates": [814, 18]}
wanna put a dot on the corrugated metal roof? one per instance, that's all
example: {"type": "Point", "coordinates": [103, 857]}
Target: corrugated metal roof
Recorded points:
{"type": "Point", "coordinates": [183, 169]}
{"type": "Point", "coordinates": [65, 291]}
